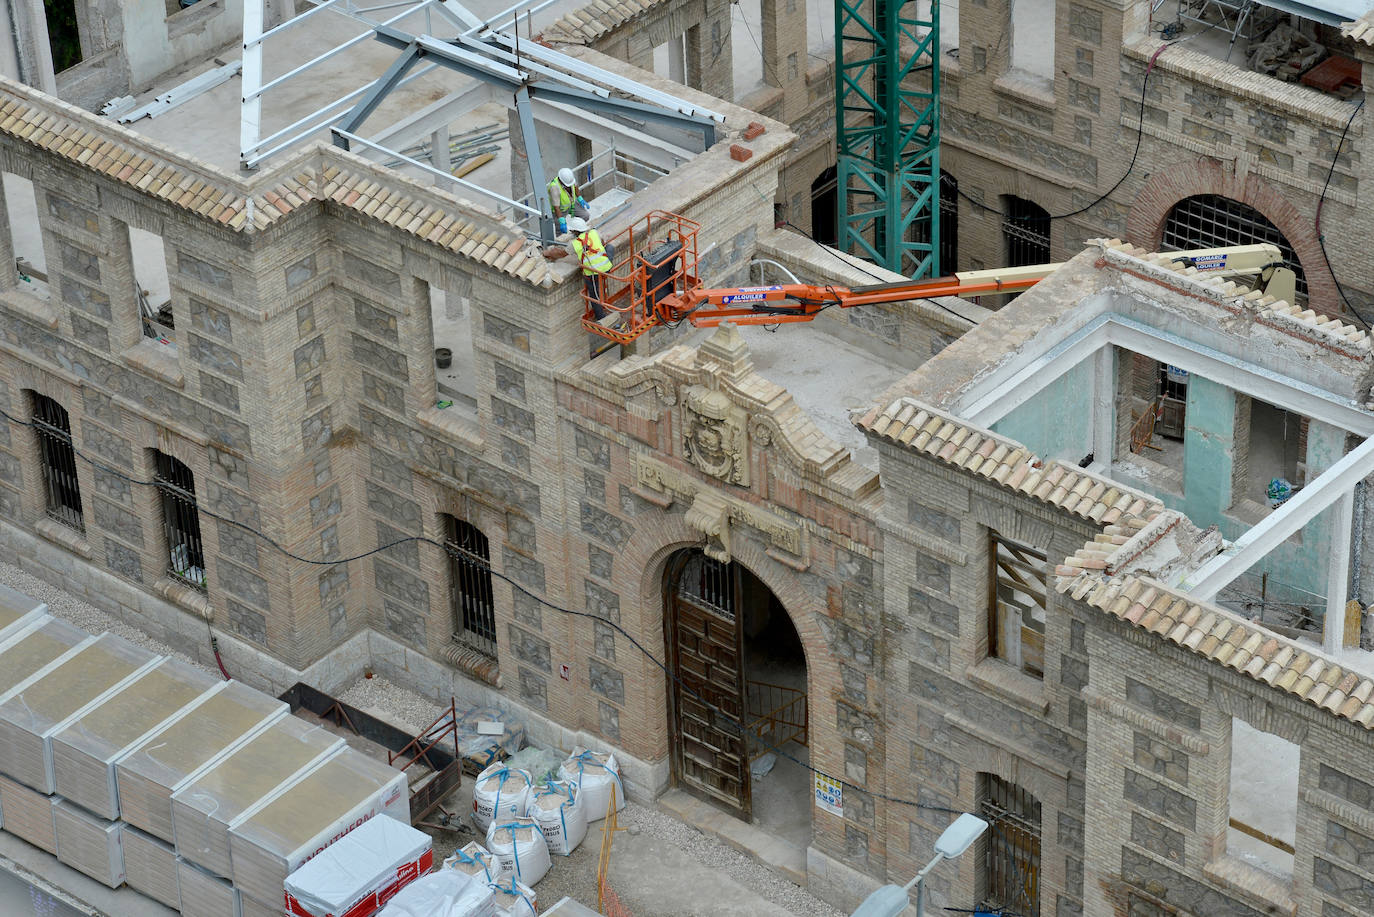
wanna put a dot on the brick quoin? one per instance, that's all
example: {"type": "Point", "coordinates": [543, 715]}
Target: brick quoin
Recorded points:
{"type": "Point", "coordinates": [1168, 186]}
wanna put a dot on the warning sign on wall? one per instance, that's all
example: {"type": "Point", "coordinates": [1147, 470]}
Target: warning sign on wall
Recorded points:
{"type": "Point", "coordinates": [829, 795]}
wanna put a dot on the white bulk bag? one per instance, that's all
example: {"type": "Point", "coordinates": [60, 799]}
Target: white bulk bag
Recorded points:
{"type": "Point", "coordinates": [520, 848]}
{"type": "Point", "coordinates": [594, 773]}
{"type": "Point", "coordinates": [474, 860]}
{"type": "Point", "coordinates": [557, 809]}
{"type": "Point", "coordinates": [499, 794]}
{"type": "Point", "coordinates": [446, 893]}
{"type": "Point", "coordinates": [512, 899]}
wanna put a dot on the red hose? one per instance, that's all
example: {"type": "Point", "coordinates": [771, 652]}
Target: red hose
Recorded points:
{"type": "Point", "coordinates": [214, 645]}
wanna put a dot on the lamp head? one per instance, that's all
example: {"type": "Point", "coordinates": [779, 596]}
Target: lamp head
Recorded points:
{"type": "Point", "coordinates": [960, 835]}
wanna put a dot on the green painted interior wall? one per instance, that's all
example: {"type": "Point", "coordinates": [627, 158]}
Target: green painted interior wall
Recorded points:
{"type": "Point", "coordinates": [1056, 423]}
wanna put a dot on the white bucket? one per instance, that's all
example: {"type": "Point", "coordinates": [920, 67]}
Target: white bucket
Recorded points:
{"type": "Point", "coordinates": [557, 809]}
{"type": "Point", "coordinates": [519, 846]}
{"type": "Point", "coordinates": [499, 794]}
{"type": "Point", "coordinates": [512, 899]}
{"type": "Point", "coordinates": [594, 774]}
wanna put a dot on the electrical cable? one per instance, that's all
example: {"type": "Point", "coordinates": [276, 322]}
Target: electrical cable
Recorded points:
{"type": "Point", "coordinates": [484, 564]}
{"type": "Point", "coordinates": [1321, 201]}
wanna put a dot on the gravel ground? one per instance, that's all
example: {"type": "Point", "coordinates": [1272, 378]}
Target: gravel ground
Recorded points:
{"type": "Point", "coordinates": [574, 876]}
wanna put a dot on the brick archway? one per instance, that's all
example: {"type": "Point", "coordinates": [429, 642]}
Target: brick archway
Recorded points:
{"type": "Point", "coordinates": [1187, 178]}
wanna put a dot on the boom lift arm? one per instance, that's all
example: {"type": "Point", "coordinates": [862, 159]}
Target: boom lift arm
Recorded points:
{"type": "Point", "coordinates": [660, 285]}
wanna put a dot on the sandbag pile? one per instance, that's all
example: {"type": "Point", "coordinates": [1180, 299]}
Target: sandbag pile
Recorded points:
{"type": "Point", "coordinates": [595, 774]}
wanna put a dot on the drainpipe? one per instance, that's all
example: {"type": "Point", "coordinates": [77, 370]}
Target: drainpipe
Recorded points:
{"type": "Point", "coordinates": [1357, 546]}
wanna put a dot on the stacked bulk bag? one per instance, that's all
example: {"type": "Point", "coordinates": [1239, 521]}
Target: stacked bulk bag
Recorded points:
{"type": "Point", "coordinates": [498, 794]}
{"type": "Point", "coordinates": [519, 847]}
{"type": "Point", "coordinates": [514, 899]}
{"type": "Point", "coordinates": [557, 809]}
{"type": "Point", "coordinates": [594, 773]}
{"type": "Point", "coordinates": [446, 893]}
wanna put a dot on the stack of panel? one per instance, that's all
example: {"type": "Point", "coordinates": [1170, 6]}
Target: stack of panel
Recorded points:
{"type": "Point", "coordinates": [305, 817]}
{"type": "Point", "coordinates": [17, 610]}
{"type": "Point", "coordinates": [28, 814]}
{"type": "Point", "coordinates": [89, 843]}
{"type": "Point", "coordinates": [150, 866]}
{"type": "Point", "coordinates": [204, 810]}
{"type": "Point", "coordinates": [205, 895]}
{"type": "Point", "coordinates": [84, 753]}
{"type": "Point", "coordinates": [35, 646]}
{"type": "Point", "coordinates": [177, 754]}
{"type": "Point", "coordinates": [48, 703]}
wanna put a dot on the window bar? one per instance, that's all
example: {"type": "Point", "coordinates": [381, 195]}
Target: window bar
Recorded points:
{"type": "Point", "coordinates": [53, 425]}
{"type": "Point", "coordinates": [181, 521]}
{"type": "Point", "coordinates": [470, 589]}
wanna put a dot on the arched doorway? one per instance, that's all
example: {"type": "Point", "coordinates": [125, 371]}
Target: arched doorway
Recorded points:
{"type": "Point", "coordinates": [737, 698]}
{"type": "Point", "coordinates": [1213, 221]}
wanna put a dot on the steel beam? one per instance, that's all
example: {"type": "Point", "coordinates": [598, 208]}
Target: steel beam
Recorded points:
{"type": "Point", "coordinates": [1338, 572]}
{"type": "Point", "coordinates": [627, 140]}
{"type": "Point", "coordinates": [1332, 485]}
{"type": "Point", "coordinates": [250, 81]}
{"type": "Point", "coordinates": [629, 109]}
{"type": "Point", "coordinates": [376, 95]}
{"type": "Point", "coordinates": [536, 161]}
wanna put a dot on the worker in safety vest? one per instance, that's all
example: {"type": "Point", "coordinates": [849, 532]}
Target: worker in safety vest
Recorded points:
{"type": "Point", "coordinates": [596, 259]}
{"type": "Point", "coordinates": [565, 199]}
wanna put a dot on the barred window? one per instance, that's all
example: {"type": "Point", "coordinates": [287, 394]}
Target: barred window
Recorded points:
{"type": "Point", "coordinates": [1213, 221]}
{"type": "Point", "coordinates": [474, 615]}
{"type": "Point", "coordinates": [1026, 230]}
{"type": "Point", "coordinates": [180, 520]}
{"type": "Point", "coordinates": [1010, 880]}
{"type": "Point", "coordinates": [60, 486]}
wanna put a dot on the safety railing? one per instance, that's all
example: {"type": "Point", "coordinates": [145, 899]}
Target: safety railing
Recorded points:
{"type": "Point", "coordinates": [606, 171]}
{"type": "Point", "coordinates": [776, 715]}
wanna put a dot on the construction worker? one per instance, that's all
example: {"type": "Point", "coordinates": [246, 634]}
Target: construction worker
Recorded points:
{"type": "Point", "coordinates": [565, 200]}
{"type": "Point", "coordinates": [596, 259]}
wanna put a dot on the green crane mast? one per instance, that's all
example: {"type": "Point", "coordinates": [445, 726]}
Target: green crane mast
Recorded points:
{"type": "Point", "coordinates": [887, 127]}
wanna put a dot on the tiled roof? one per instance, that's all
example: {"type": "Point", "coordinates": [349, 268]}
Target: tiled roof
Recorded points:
{"type": "Point", "coordinates": [1090, 576]}
{"type": "Point", "coordinates": [1324, 330]}
{"type": "Point", "coordinates": [596, 19]}
{"type": "Point", "coordinates": [907, 422]}
{"type": "Point", "coordinates": [125, 157]}
{"type": "Point", "coordinates": [1361, 29]}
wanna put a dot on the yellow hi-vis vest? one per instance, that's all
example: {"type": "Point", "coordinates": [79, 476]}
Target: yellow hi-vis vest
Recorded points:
{"type": "Point", "coordinates": [591, 254]}
{"type": "Point", "coordinates": [561, 198]}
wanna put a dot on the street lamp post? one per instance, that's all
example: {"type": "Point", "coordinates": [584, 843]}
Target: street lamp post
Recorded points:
{"type": "Point", "coordinates": [892, 900]}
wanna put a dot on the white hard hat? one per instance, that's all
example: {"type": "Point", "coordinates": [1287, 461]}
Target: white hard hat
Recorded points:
{"type": "Point", "coordinates": [577, 224]}
{"type": "Point", "coordinates": [566, 177]}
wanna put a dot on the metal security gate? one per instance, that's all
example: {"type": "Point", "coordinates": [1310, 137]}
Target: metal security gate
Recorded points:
{"type": "Point", "coordinates": [1011, 869]}
{"type": "Point", "coordinates": [63, 491]}
{"type": "Point", "coordinates": [705, 646]}
{"type": "Point", "coordinates": [1026, 229]}
{"type": "Point", "coordinates": [1213, 221]}
{"type": "Point", "coordinates": [470, 595]}
{"type": "Point", "coordinates": [180, 520]}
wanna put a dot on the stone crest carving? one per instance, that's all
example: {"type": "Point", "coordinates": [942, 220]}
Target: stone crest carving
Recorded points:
{"type": "Point", "coordinates": [715, 435]}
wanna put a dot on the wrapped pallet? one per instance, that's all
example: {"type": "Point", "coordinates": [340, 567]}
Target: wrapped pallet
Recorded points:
{"type": "Point", "coordinates": [520, 848]}
{"type": "Point", "coordinates": [17, 610]}
{"type": "Point", "coordinates": [28, 652]}
{"type": "Point", "coordinates": [557, 809]}
{"type": "Point", "coordinates": [361, 871]}
{"type": "Point", "coordinates": [204, 895]}
{"type": "Point", "coordinates": [443, 894]}
{"type": "Point", "coordinates": [307, 815]}
{"type": "Point", "coordinates": [595, 774]}
{"type": "Point", "coordinates": [150, 866]}
{"type": "Point", "coordinates": [181, 751]}
{"type": "Point", "coordinates": [28, 814]}
{"type": "Point", "coordinates": [85, 752]}
{"type": "Point", "coordinates": [89, 843]}
{"type": "Point", "coordinates": [472, 859]}
{"type": "Point", "coordinates": [47, 704]}
{"type": "Point", "coordinates": [203, 810]}
{"type": "Point", "coordinates": [500, 793]}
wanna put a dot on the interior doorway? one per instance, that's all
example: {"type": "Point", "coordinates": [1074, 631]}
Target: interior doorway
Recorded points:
{"type": "Point", "coordinates": [738, 696]}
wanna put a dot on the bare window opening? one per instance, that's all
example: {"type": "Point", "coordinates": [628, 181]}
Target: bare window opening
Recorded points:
{"type": "Point", "coordinates": [1263, 799]}
{"type": "Point", "coordinates": [670, 59]}
{"type": "Point", "coordinates": [180, 520]}
{"type": "Point", "coordinates": [751, 71]}
{"type": "Point", "coordinates": [1032, 39]}
{"type": "Point", "coordinates": [1025, 232]}
{"type": "Point", "coordinates": [152, 286]}
{"type": "Point", "coordinates": [21, 208]}
{"type": "Point", "coordinates": [455, 372]}
{"type": "Point", "coordinates": [54, 430]}
{"type": "Point", "coordinates": [176, 6]}
{"type": "Point", "coordinates": [470, 596]}
{"type": "Point", "coordinates": [824, 191]}
{"type": "Point", "coordinates": [1276, 451]}
{"type": "Point", "coordinates": [1010, 877]}
{"type": "Point", "coordinates": [64, 37]}
{"type": "Point", "coordinates": [1016, 627]}
{"type": "Point", "coordinates": [1213, 221]}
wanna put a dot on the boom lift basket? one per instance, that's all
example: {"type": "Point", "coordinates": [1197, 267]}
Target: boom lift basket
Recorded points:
{"type": "Point", "coordinates": [654, 258]}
